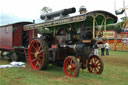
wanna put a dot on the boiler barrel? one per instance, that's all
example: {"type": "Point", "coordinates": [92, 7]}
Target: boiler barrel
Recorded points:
{"type": "Point", "coordinates": [63, 12]}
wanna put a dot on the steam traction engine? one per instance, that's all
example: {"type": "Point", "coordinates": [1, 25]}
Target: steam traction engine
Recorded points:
{"type": "Point", "coordinates": [69, 41]}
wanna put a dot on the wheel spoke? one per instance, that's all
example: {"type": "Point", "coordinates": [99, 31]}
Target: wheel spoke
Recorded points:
{"type": "Point", "coordinates": [73, 66]}
{"type": "Point", "coordinates": [70, 72]}
{"type": "Point", "coordinates": [95, 70]}
{"type": "Point", "coordinates": [93, 60]}
{"type": "Point", "coordinates": [97, 62]}
{"type": "Point", "coordinates": [99, 68]}
{"type": "Point", "coordinates": [41, 59]}
{"type": "Point", "coordinates": [74, 71]}
{"type": "Point", "coordinates": [34, 47]}
{"type": "Point", "coordinates": [32, 53]}
{"type": "Point", "coordinates": [34, 60]}
{"type": "Point", "coordinates": [68, 62]}
{"type": "Point", "coordinates": [39, 48]}
{"type": "Point", "coordinates": [92, 69]}
{"type": "Point", "coordinates": [40, 55]}
{"type": "Point", "coordinates": [37, 44]}
{"type": "Point", "coordinates": [41, 51]}
{"type": "Point", "coordinates": [37, 64]}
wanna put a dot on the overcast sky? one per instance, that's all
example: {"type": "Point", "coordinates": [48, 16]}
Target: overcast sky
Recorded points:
{"type": "Point", "coordinates": [26, 10]}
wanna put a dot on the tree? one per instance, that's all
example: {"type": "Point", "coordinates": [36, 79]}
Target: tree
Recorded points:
{"type": "Point", "coordinates": [46, 10]}
{"type": "Point", "coordinates": [116, 27]}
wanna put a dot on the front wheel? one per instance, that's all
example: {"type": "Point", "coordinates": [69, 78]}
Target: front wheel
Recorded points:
{"type": "Point", "coordinates": [71, 66]}
{"type": "Point", "coordinates": [95, 64]}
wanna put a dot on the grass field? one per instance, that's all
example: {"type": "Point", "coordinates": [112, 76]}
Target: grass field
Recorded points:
{"type": "Point", "coordinates": [115, 73]}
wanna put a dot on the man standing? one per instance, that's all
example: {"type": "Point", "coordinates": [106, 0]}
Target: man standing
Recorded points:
{"type": "Point", "coordinates": [102, 50]}
{"type": "Point", "coordinates": [107, 49]}
{"type": "Point", "coordinates": [96, 50]}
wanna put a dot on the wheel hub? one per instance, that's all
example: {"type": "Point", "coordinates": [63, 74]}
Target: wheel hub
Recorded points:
{"type": "Point", "coordinates": [69, 67]}
{"type": "Point", "coordinates": [95, 65]}
{"type": "Point", "coordinates": [37, 54]}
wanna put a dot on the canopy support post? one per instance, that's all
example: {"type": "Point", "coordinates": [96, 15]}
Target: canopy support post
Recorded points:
{"type": "Point", "coordinates": [94, 27]}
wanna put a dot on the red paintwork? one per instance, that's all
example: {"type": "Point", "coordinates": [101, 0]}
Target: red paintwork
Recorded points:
{"type": "Point", "coordinates": [6, 37]}
{"type": "Point", "coordinates": [17, 36]}
{"type": "Point", "coordinates": [113, 41]}
{"type": "Point", "coordinates": [10, 38]}
{"type": "Point", "coordinates": [54, 46]}
{"type": "Point", "coordinates": [31, 35]}
{"type": "Point", "coordinates": [124, 32]}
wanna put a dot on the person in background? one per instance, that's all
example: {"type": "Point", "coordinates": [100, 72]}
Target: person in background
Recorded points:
{"type": "Point", "coordinates": [107, 49]}
{"type": "Point", "coordinates": [102, 50]}
{"type": "Point", "coordinates": [96, 50]}
{"type": "Point", "coordinates": [82, 10]}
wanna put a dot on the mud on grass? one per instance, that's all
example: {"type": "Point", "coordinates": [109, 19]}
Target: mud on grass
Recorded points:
{"type": "Point", "coordinates": [115, 73]}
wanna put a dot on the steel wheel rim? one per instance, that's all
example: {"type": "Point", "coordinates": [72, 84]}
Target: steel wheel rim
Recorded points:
{"type": "Point", "coordinates": [36, 55]}
{"type": "Point", "coordinates": [94, 65]}
{"type": "Point", "coordinates": [70, 67]}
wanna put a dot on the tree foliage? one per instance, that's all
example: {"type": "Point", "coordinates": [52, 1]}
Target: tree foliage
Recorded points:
{"type": "Point", "coordinates": [116, 27]}
{"type": "Point", "coordinates": [46, 10]}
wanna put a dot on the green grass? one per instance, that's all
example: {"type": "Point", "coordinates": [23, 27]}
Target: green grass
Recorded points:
{"type": "Point", "coordinates": [115, 73]}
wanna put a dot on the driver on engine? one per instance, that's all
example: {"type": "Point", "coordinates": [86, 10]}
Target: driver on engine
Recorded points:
{"type": "Point", "coordinates": [82, 10]}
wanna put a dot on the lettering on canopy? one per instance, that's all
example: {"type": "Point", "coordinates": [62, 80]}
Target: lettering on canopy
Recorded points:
{"type": "Point", "coordinates": [56, 22]}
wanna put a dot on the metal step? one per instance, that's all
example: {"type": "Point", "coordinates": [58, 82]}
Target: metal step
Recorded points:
{"type": "Point", "coordinates": [26, 54]}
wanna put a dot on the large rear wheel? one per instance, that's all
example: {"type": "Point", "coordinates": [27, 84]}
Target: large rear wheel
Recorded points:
{"type": "Point", "coordinates": [95, 64]}
{"type": "Point", "coordinates": [38, 54]}
{"type": "Point", "coordinates": [71, 66]}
